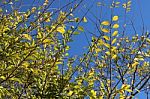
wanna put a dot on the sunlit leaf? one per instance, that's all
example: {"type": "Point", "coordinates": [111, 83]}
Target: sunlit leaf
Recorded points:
{"type": "Point", "coordinates": [3, 77]}
{"type": "Point", "coordinates": [115, 18]}
{"type": "Point", "coordinates": [129, 90]}
{"type": "Point", "coordinates": [59, 62]}
{"type": "Point", "coordinates": [107, 45]}
{"type": "Point", "coordinates": [80, 28]}
{"type": "Point", "coordinates": [25, 64]}
{"type": "Point", "coordinates": [135, 64]}
{"type": "Point", "coordinates": [114, 56]}
{"type": "Point", "coordinates": [114, 41]}
{"type": "Point", "coordinates": [76, 33]}
{"type": "Point", "coordinates": [105, 30]}
{"type": "Point", "coordinates": [100, 42]}
{"type": "Point", "coordinates": [84, 19]}
{"type": "Point", "coordinates": [61, 29]}
{"type": "Point", "coordinates": [115, 33]}
{"type": "Point", "coordinates": [77, 19]}
{"type": "Point", "coordinates": [27, 36]}
{"type": "Point", "coordinates": [46, 41]}
{"type": "Point", "coordinates": [97, 50]}
{"type": "Point", "coordinates": [117, 3]}
{"type": "Point", "coordinates": [115, 26]}
{"type": "Point", "coordinates": [93, 93]}
{"type": "Point", "coordinates": [105, 23]}
{"type": "Point", "coordinates": [148, 40]}
{"type": "Point", "coordinates": [106, 38]}
{"type": "Point", "coordinates": [126, 87]}
{"type": "Point", "coordinates": [16, 79]}
{"type": "Point", "coordinates": [108, 52]}
{"type": "Point", "coordinates": [70, 93]}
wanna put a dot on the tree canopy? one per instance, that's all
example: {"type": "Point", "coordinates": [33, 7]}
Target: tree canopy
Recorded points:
{"type": "Point", "coordinates": [35, 44]}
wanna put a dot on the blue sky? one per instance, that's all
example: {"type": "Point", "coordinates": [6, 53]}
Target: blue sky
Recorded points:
{"type": "Point", "coordinates": [143, 5]}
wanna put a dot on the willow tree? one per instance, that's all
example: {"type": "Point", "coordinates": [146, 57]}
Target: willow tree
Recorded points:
{"type": "Point", "coordinates": [35, 62]}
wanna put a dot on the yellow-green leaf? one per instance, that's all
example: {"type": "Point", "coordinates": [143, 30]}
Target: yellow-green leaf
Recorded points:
{"type": "Point", "coordinates": [39, 35]}
{"type": "Point", "coordinates": [126, 87]}
{"type": "Point", "coordinates": [84, 19]}
{"type": "Point", "coordinates": [16, 79]}
{"type": "Point", "coordinates": [115, 18]}
{"type": "Point", "coordinates": [80, 28]}
{"type": "Point", "coordinates": [46, 41]}
{"type": "Point", "coordinates": [47, 20]}
{"type": "Point", "coordinates": [113, 48]}
{"type": "Point", "coordinates": [25, 64]}
{"type": "Point", "coordinates": [117, 3]}
{"type": "Point", "coordinates": [115, 26]}
{"type": "Point", "coordinates": [27, 36]}
{"type": "Point", "coordinates": [93, 93]}
{"type": "Point", "coordinates": [2, 77]}
{"type": "Point", "coordinates": [106, 37]}
{"type": "Point", "coordinates": [135, 64]}
{"type": "Point", "coordinates": [108, 52]}
{"type": "Point", "coordinates": [100, 42]}
{"type": "Point", "coordinates": [59, 62]}
{"type": "Point", "coordinates": [129, 2]}
{"type": "Point", "coordinates": [77, 19]}
{"type": "Point", "coordinates": [115, 33]}
{"type": "Point", "coordinates": [70, 93]}
{"type": "Point", "coordinates": [148, 40]}
{"type": "Point", "coordinates": [105, 30]}
{"type": "Point", "coordinates": [107, 45]}
{"type": "Point", "coordinates": [129, 90]}
{"type": "Point", "coordinates": [97, 50]}
{"type": "Point", "coordinates": [113, 41]}
{"type": "Point", "coordinates": [114, 56]}
{"type": "Point", "coordinates": [61, 29]}
{"type": "Point", "coordinates": [105, 23]}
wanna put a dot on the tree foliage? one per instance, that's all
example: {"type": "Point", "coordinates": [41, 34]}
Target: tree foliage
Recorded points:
{"type": "Point", "coordinates": [35, 61]}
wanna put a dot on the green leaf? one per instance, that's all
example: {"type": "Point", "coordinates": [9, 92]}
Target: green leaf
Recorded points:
{"type": "Point", "coordinates": [76, 33]}
{"type": "Point", "coordinates": [114, 41]}
{"type": "Point", "coordinates": [77, 19]}
{"type": "Point", "coordinates": [80, 28]}
{"type": "Point", "coordinates": [115, 18]}
{"type": "Point", "coordinates": [115, 33]}
{"type": "Point", "coordinates": [3, 77]}
{"type": "Point", "coordinates": [97, 50]}
{"type": "Point", "coordinates": [84, 19]}
{"type": "Point", "coordinates": [70, 93]}
{"type": "Point", "coordinates": [114, 56]}
{"type": "Point", "coordinates": [100, 42]}
{"type": "Point", "coordinates": [107, 45]}
{"type": "Point", "coordinates": [105, 30]}
{"type": "Point", "coordinates": [61, 29]}
{"type": "Point", "coordinates": [115, 26]}
{"type": "Point", "coordinates": [46, 41]}
{"type": "Point", "coordinates": [106, 38]}
{"type": "Point", "coordinates": [93, 93]}
{"type": "Point", "coordinates": [27, 36]}
{"type": "Point", "coordinates": [135, 64]}
{"type": "Point", "coordinates": [16, 79]}
{"type": "Point", "coordinates": [105, 23]}
{"type": "Point", "coordinates": [108, 52]}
